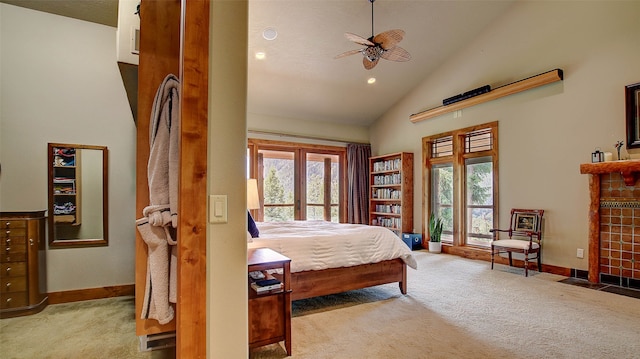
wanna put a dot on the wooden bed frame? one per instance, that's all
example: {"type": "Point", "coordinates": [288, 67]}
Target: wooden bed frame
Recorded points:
{"type": "Point", "coordinates": [308, 284]}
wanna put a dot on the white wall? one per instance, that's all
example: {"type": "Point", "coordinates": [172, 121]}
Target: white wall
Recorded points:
{"type": "Point", "coordinates": [128, 22]}
{"type": "Point", "coordinates": [60, 83]}
{"type": "Point", "coordinates": [227, 316]}
{"type": "Point", "coordinates": [544, 133]}
{"type": "Point", "coordinates": [301, 127]}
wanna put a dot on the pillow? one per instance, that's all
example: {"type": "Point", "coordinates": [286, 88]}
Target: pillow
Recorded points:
{"type": "Point", "coordinates": [253, 229]}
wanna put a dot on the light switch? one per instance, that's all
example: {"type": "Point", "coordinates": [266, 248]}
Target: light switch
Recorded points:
{"type": "Point", "coordinates": [217, 208]}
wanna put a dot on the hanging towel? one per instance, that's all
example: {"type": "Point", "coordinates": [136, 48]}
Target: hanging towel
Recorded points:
{"type": "Point", "coordinates": [158, 225]}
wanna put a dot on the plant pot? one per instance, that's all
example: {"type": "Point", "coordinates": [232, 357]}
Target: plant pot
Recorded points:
{"type": "Point", "coordinates": [435, 247]}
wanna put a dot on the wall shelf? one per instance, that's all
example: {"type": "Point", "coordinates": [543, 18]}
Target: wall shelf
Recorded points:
{"type": "Point", "coordinates": [510, 89]}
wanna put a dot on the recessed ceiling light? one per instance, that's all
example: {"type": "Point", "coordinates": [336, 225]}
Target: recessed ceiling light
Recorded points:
{"type": "Point", "coordinates": [260, 55]}
{"type": "Point", "coordinates": [269, 33]}
{"type": "Point", "coordinates": [371, 80]}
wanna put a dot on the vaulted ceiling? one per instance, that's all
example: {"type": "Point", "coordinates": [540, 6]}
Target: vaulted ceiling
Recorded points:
{"type": "Point", "coordinates": [299, 77]}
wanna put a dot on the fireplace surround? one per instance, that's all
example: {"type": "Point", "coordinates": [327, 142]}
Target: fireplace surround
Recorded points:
{"type": "Point", "coordinates": [614, 222]}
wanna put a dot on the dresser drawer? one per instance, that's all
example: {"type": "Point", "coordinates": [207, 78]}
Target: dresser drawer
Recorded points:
{"type": "Point", "coordinates": [16, 233]}
{"type": "Point", "coordinates": [9, 229]}
{"type": "Point", "coordinates": [13, 300]}
{"type": "Point", "coordinates": [13, 253]}
{"type": "Point", "coordinates": [13, 269]}
{"type": "Point", "coordinates": [13, 241]}
{"type": "Point", "coordinates": [11, 285]}
{"type": "Point", "coordinates": [13, 224]}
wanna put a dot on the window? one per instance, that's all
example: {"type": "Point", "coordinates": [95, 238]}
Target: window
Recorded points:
{"type": "Point", "coordinates": [298, 181]}
{"type": "Point", "coordinates": [461, 183]}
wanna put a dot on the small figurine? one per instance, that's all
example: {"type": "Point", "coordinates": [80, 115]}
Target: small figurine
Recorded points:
{"type": "Point", "coordinates": [618, 147]}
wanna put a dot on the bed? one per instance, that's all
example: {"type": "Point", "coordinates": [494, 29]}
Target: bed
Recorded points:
{"type": "Point", "coordinates": [329, 258]}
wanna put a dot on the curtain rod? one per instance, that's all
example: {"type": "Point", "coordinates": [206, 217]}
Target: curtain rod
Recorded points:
{"type": "Point", "coordinates": [261, 132]}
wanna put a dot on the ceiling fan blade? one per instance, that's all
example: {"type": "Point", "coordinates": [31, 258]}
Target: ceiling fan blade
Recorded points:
{"type": "Point", "coordinates": [358, 39]}
{"type": "Point", "coordinates": [352, 52]}
{"type": "Point", "coordinates": [369, 64]}
{"type": "Point", "coordinates": [396, 54]}
{"type": "Point", "coordinates": [389, 39]}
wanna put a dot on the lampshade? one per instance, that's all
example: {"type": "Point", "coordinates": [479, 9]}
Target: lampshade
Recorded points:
{"type": "Point", "coordinates": [253, 201]}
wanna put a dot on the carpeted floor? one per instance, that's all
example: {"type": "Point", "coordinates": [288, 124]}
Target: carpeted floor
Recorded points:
{"type": "Point", "coordinates": [458, 308]}
{"type": "Point", "coordinates": [102, 328]}
{"type": "Point", "coordinates": [455, 308]}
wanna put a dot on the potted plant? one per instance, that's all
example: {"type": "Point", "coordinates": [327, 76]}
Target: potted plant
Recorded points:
{"type": "Point", "coordinates": [435, 234]}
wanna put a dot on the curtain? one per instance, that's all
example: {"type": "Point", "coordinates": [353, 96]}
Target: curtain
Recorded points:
{"type": "Point", "coordinates": [358, 179]}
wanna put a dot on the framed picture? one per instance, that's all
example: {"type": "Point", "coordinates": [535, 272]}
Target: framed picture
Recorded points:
{"type": "Point", "coordinates": [526, 222]}
{"type": "Point", "coordinates": [632, 100]}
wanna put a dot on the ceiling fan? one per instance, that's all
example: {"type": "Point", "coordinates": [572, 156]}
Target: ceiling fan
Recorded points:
{"type": "Point", "coordinates": [383, 45]}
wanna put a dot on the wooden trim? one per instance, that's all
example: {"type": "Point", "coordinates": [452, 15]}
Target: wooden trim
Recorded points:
{"type": "Point", "coordinates": [192, 234]}
{"type": "Point", "coordinates": [91, 293]}
{"type": "Point", "coordinates": [510, 89]}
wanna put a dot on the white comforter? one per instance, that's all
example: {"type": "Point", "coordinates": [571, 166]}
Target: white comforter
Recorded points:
{"type": "Point", "coordinates": [316, 245]}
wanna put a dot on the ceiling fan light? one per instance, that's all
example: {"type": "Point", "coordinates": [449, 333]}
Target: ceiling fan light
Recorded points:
{"type": "Point", "coordinates": [269, 34]}
{"type": "Point", "coordinates": [371, 80]}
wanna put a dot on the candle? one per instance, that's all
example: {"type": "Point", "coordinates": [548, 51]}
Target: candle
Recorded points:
{"type": "Point", "coordinates": [608, 156]}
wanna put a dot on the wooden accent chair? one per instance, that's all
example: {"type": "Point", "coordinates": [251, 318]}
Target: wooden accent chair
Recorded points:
{"type": "Point", "coordinates": [524, 236]}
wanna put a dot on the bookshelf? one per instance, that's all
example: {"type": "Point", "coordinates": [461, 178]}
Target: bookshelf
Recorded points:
{"type": "Point", "coordinates": [391, 192]}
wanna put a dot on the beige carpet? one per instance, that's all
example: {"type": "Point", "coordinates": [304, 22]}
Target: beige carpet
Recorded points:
{"type": "Point", "coordinates": [455, 308]}
{"type": "Point", "coordinates": [103, 328]}
{"type": "Point", "coordinates": [458, 308]}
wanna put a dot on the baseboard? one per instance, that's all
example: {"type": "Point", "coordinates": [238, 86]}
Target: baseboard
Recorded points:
{"type": "Point", "coordinates": [485, 255]}
{"type": "Point", "coordinates": [91, 293]}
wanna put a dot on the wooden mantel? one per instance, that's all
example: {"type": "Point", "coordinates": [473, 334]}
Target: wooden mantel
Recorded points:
{"type": "Point", "coordinates": [629, 169]}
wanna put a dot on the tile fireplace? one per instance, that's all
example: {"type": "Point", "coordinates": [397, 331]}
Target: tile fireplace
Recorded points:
{"type": "Point", "coordinates": [614, 222]}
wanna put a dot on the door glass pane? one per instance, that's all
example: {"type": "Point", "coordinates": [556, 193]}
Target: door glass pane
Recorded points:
{"type": "Point", "coordinates": [442, 198]}
{"type": "Point", "coordinates": [278, 185]}
{"type": "Point", "coordinates": [319, 167]}
{"type": "Point", "coordinates": [335, 188]}
{"type": "Point", "coordinates": [479, 190]}
{"type": "Point", "coordinates": [315, 187]}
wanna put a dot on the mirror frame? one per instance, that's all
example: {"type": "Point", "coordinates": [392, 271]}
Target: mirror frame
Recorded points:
{"type": "Point", "coordinates": [75, 243]}
{"type": "Point", "coordinates": [632, 102]}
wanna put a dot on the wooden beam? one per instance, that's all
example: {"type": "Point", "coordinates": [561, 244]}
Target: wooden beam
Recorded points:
{"type": "Point", "coordinates": [629, 169]}
{"type": "Point", "coordinates": [159, 56]}
{"type": "Point", "coordinates": [510, 89]}
{"type": "Point", "coordinates": [192, 231]}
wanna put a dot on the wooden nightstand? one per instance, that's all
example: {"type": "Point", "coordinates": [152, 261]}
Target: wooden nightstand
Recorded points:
{"type": "Point", "coordinates": [270, 313]}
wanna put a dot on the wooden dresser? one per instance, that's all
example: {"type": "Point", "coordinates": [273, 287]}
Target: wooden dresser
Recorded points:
{"type": "Point", "coordinates": [23, 280]}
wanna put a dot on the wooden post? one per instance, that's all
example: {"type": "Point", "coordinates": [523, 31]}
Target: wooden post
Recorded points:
{"type": "Point", "coordinates": [594, 228]}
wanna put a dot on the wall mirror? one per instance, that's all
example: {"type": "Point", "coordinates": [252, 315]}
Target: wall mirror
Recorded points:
{"type": "Point", "coordinates": [78, 195]}
{"type": "Point", "coordinates": [632, 100]}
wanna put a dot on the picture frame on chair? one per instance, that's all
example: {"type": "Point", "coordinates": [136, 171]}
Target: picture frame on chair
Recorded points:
{"type": "Point", "coordinates": [526, 222]}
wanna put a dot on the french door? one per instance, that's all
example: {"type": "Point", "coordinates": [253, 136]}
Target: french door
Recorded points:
{"type": "Point", "coordinates": [297, 181]}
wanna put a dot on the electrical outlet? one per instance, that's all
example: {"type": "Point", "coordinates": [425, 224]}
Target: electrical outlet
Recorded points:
{"type": "Point", "coordinates": [580, 253]}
